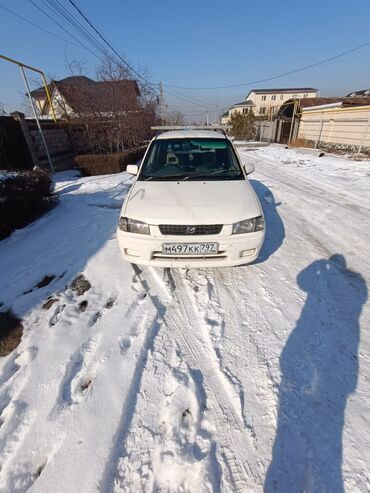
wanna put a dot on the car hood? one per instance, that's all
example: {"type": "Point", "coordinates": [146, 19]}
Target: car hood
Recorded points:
{"type": "Point", "coordinates": [191, 202]}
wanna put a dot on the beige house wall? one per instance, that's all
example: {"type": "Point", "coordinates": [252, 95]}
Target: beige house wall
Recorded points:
{"type": "Point", "coordinates": [61, 108]}
{"type": "Point", "coordinates": [226, 119]}
{"type": "Point", "coordinates": [337, 126]}
{"type": "Point", "coordinates": [273, 101]}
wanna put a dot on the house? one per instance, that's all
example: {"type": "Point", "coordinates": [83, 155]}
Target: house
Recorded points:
{"type": "Point", "coordinates": [267, 102]}
{"type": "Point", "coordinates": [243, 107]}
{"type": "Point", "coordinates": [82, 96]}
{"type": "Point", "coordinates": [359, 94]}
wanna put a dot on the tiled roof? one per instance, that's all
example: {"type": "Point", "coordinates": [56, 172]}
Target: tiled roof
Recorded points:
{"type": "Point", "coordinates": [85, 95]}
{"type": "Point", "coordinates": [346, 101]}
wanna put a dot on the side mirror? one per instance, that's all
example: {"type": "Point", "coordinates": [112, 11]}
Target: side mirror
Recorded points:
{"type": "Point", "coordinates": [132, 169]}
{"type": "Point", "coordinates": [249, 168]}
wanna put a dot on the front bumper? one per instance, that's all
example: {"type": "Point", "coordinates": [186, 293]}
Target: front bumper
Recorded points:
{"type": "Point", "coordinates": [233, 250]}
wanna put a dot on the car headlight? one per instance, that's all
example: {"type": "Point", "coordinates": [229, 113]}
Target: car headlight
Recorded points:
{"type": "Point", "coordinates": [132, 226]}
{"type": "Point", "coordinates": [249, 226]}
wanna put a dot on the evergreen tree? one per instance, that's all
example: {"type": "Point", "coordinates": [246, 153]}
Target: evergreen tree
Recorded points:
{"type": "Point", "coordinates": [243, 125]}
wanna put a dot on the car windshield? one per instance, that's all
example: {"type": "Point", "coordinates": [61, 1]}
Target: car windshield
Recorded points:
{"type": "Point", "coordinates": [191, 159]}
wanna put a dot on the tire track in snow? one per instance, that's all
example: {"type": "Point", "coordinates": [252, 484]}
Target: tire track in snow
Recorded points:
{"type": "Point", "coordinates": [235, 440]}
{"type": "Point", "coordinates": [178, 319]}
{"type": "Point", "coordinates": [16, 417]}
{"type": "Point", "coordinates": [79, 375]}
{"type": "Point", "coordinates": [109, 477]}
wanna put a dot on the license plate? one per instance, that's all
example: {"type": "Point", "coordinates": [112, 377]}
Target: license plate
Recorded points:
{"type": "Point", "coordinates": [189, 248]}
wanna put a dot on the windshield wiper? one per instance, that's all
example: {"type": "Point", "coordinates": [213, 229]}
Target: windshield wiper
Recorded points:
{"type": "Point", "coordinates": [207, 175]}
{"type": "Point", "coordinates": [182, 177]}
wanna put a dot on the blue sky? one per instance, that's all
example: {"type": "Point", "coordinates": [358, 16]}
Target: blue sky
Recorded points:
{"type": "Point", "coordinates": [201, 43]}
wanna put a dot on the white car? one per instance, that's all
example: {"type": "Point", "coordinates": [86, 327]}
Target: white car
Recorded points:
{"type": "Point", "coordinates": [191, 204]}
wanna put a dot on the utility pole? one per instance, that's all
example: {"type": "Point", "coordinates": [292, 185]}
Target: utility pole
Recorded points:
{"type": "Point", "coordinates": [207, 118]}
{"type": "Point", "coordinates": [162, 105]}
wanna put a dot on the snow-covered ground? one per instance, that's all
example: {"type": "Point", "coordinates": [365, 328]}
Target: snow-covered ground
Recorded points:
{"type": "Point", "coordinates": [243, 379]}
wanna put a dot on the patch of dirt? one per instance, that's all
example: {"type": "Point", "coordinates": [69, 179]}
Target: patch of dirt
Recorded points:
{"type": "Point", "coordinates": [85, 385]}
{"type": "Point", "coordinates": [11, 331]}
{"type": "Point", "coordinates": [80, 285]}
{"type": "Point", "coordinates": [49, 303]}
{"type": "Point", "coordinates": [83, 305]}
{"type": "Point", "coordinates": [45, 281]}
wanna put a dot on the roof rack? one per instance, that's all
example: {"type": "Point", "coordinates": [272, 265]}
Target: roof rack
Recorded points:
{"type": "Point", "coordinates": [216, 128]}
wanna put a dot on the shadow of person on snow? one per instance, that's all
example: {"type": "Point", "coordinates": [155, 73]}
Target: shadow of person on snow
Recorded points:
{"type": "Point", "coordinates": [319, 367]}
{"type": "Point", "coordinates": [275, 231]}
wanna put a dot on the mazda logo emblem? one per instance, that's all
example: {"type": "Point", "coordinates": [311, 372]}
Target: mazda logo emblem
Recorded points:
{"type": "Point", "coordinates": [190, 230]}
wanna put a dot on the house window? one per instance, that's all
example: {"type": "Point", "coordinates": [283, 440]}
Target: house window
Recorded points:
{"type": "Point", "coordinates": [263, 98]}
{"type": "Point", "coordinates": [305, 95]}
{"type": "Point", "coordinates": [245, 111]}
{"type": "Point", "coordinates": [273, 97]}
{"type": "Point", "coordinates": [262, 111]}
{"type": "Point", "coordinates": [294, 96]}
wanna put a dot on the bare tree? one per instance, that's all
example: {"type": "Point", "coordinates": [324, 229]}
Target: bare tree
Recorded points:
{"type": "Point", "coordinates": [74, 66]}
{"type": "Point", "coordinates": [175, 118]}
{"type": "Point", "coordinates": [117, 111]}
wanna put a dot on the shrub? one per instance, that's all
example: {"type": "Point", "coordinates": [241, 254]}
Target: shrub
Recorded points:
{"type": "Point", "coordinates": [106, 164]}
{"type": "Point", "coordinates": [24, 196]}
{"type": "Point", "coordinates": [302, 143]}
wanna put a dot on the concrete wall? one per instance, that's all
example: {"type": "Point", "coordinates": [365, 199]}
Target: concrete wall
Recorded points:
{"type": "Point", "coordinates": [341, 127]}
{"type": "Point", "coordinates": [62, 139]}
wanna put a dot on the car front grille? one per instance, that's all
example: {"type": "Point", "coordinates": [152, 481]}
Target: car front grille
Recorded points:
{"type": "Point", "coordinates": [190, 230]}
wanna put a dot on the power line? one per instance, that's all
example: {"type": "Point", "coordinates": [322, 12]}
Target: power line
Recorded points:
{"type": "Point", "coordinates": [175, 94]}
{"type": "Point", "coordinates": [36, 25]}
{"type": "Point", "coordinates": [66, 16]}
{"type": "Point", "coordinates": [108, 44]}
{"type": "Point", "coordinates": [278, 76]}
{"type": "Point", "coordinates": [62, 11]}
{"type": "Point", "coordinates": [64, 29]}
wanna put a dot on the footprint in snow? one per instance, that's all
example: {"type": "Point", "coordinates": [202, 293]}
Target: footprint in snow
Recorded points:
{"type": "Point", "coordinates": [82, 306]}
{"type": "Point", "coordinates": [57, 314]}
{"type": "Point", "coordinates": [139, 299]}
{"type": "Point", "coordinates": [187, 418]}
{"type": "Point", "coordinates": [49, 303]}
{"type": "Point", "coordinates": [98, 315]}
